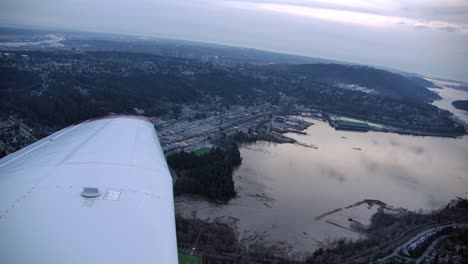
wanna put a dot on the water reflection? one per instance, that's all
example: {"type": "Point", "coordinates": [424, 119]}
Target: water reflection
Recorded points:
{"type": "Point", "coordinates": [283, 187]}
{"type": "Point", "coordinates": [286, 186]}
{"type": "Point", "coordinates": [333, 174]}
{"type": "Point", "coordinates": [417, 149]}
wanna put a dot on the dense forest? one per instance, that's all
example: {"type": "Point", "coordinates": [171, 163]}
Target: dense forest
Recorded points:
{"type": "Point", "coordinates": [209, 175]}
{"type": "Point", "coordinates": [210, 236]}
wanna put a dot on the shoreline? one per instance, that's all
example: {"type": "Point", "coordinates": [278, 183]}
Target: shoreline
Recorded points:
{"type": "Point", "coordinates": [391, 128]}
{"type": "Point", "coordinates": [354, 219]}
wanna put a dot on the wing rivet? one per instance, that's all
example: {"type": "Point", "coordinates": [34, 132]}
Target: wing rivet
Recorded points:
{"type": "Point", "coordinates": [90, 192]}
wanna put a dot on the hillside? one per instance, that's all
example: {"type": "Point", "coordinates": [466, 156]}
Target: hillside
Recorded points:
{"type": "Point", "coordinates": [380, 81]}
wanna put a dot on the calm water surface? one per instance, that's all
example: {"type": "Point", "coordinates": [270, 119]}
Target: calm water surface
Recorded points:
{"type": "Point", "coordinates": [283, 187]}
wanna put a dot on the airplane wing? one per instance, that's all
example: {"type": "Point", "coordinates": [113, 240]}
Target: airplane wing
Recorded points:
{"type": "Point", "coordinates": [95, 192]}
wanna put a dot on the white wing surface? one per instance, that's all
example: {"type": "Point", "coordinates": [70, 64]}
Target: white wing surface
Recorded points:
{"type": "Point", "coordinates": [44, 217]}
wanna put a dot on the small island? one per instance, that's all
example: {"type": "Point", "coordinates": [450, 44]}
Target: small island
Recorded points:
{"type": "Point", "coordinates": [461, 104]}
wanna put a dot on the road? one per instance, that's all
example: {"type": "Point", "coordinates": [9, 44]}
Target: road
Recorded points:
{"type": "Point", "coordinates": [404, 238]}
{"type": "Point", "coordinates": [398, 249]}
{"type": "Point", "coordinates": [429, 249]}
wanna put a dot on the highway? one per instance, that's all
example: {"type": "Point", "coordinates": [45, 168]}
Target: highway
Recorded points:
{"type": "Point", "coordinates": [406, 237]}
{"type": "Point", "coordinates": [411, 240]}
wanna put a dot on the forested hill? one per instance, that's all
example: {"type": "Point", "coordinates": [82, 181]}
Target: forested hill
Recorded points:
{"type": "Point", "coordinates": [58, 88]}
{"type": "Point", "coordinates": [383, 82]}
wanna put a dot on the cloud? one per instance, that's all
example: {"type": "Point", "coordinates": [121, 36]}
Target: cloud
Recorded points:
{"type": "Point", "coordinates": [357, 12]}
{"type": "Point", "coordinates": [447, 10]}
{"type": "Point", "coordinates": [449, 29]}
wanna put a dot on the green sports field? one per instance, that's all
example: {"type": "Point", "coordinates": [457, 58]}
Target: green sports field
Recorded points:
{"type": "Point", "coordinates": [187, 259]}
{"type": "Point", "coordinates": [201, 151]}
{"type": "Point", "coordinates": [357, 120]}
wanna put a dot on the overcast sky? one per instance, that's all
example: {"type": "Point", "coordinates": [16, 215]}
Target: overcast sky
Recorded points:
{"type": "Point", "coordinates": [424, 36]}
